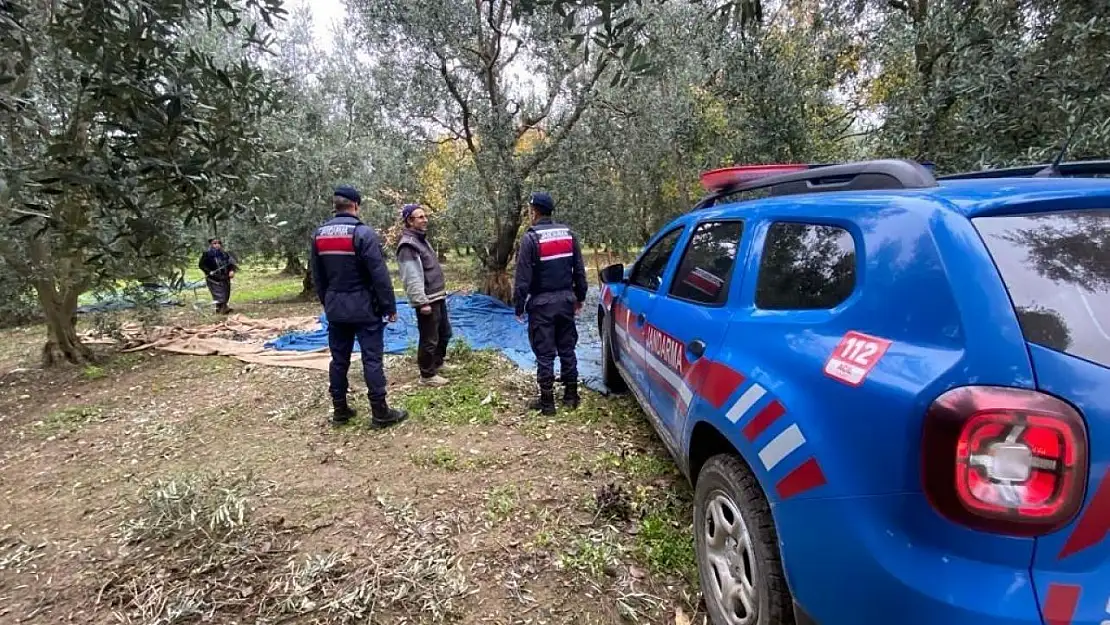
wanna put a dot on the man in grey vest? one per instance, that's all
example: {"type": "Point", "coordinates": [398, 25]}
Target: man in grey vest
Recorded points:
{"type": "Point", "coordinates": [426, 289]}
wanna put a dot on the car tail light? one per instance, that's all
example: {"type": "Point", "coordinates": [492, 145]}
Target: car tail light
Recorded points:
{"type": "Point", "coordinates": [1004, 460]}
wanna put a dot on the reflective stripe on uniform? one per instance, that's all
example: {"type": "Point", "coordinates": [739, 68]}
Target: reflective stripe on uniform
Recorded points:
{"type": "Point", "coordinates": [555, 243]}
{"type": "Point", "coordinates": [336, 239]}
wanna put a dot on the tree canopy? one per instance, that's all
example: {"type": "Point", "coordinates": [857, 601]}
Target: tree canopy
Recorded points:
{"type": "Point", "coordinates": [129, 132]}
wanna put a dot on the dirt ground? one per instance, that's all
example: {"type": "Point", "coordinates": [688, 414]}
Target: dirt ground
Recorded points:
{"type": "Point", "coordinates": [158, 488]}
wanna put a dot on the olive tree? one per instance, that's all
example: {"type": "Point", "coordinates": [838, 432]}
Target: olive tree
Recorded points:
{"type": "Point", "coordinates": [117, 132]}
{"type": "Point", "coordinates": [456, 70]}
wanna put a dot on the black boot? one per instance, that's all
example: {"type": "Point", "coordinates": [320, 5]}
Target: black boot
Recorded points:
{"type": "Point", "coordinates": [570, 396]}
{"type": "Point", "coordinates": [382, 416]}
{"type": "Point", "coordinates": [545, 403]}
{"type": "Point", "coordinates": [342, 412]}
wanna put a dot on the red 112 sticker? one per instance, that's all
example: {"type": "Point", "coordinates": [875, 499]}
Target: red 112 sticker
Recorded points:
{"type": "Point", "coordinates": [854, 357]}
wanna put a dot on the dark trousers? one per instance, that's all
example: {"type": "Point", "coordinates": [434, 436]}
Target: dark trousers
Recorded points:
{"type": "Point", "coordinates": [220, 290]}
{"type": "Point", "coordinates": [551, 331]}
{"type": "Point", "coordinates": [435, 333]}
{"type": "Point", "coordinates": [341, 341]}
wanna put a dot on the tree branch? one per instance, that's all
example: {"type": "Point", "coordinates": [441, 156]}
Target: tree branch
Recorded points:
{"type": "Point", "coordinates": [455, 134]}
{"type": "Point", "coordinates": [492, 52]}
{"type": "Point", "coordinates": [568, 123]}
{"type": "Point", "coordinates": [468, 132]}
{"type": "Point", "coordinates": [512, 55]}
{"type": "Point", "coordinates": [529, 122]}
{"type": "Point", "coordinates": [453, 88]}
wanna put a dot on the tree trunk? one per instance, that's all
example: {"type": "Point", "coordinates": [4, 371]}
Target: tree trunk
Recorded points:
{"type": "Point", "coordinates": [62, 345]}
{"type": "Point", "coordinates": [497, 282]}
{"type": "Point", "coordinates": [293, 266]}
{"type": "Point", "coordinates": [308, 288]}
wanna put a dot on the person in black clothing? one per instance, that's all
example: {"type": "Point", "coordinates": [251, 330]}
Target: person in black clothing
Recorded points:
{"type": "Point", "coordinates": [219, 268]}
{"type": "Point", "coordinates": [551, 285]}
{"type": "Point", "coordinates": [353, 285]}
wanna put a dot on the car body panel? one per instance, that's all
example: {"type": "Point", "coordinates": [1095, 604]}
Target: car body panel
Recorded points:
{"type": "Point", "coordinates": [849, 456]}
{"type": "Point", "coordinates": [674, 325]}
{"type": "Point", "coordinates": [1076, 559]}
{"type": "Point", "coordinates": [852, 561]}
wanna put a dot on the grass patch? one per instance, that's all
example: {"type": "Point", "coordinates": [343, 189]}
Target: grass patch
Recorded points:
{"type": "Point", "coordinates": [470, 362]}
{"type": "Point", "coordinates": [448, 459]}
{"type": "Point", "coordinates": [665, 544]}
{"type": "Point", "coordinates": [281, 288]}
{"type": "Point", "coordinates": [114, 363]}
{"type": "Point", "coordinates": [466, 400]}
{"type": "Point", "coordinates": [461, 403]}
{"type": "Point", "coordinates": [592, 556]}
{"type": "Point", "coordinates": [253, 283]}
{"type": "Point", "coordinates": [125, 361]}
{"type": "Point", "coordinates": [441, 457]}
{"type": "Point", "coordinates": [543, 539]}
{"type": "Point", "coordinates": [502, 501]}
{"type": "Point", "coordinates": [93, 372]}
{"type": "Point", "coordinates": [70, 419]}
{"type": "Point", "coordinates": [594, 409]}
{"type": "Point", "coordinates": [646, 465]}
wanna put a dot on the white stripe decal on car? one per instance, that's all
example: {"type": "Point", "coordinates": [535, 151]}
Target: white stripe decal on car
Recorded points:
{"type": "Point", "coordinates": [781, 446]}
{"type": "Point", "coordinates": [754, 393]}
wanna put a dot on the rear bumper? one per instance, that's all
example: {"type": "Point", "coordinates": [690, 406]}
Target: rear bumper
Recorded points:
{"type": "Point", "coordinates": [849, 563]}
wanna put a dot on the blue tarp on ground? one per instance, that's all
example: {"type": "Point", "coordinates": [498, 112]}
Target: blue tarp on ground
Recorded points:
{"type": "Point", "coordinates": [484, 323]}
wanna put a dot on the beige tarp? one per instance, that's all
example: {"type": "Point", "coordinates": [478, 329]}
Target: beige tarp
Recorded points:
{"type": "Point", "coordinates": [237, 336]}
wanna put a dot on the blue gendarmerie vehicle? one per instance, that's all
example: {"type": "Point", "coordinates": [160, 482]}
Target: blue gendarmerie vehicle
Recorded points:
{"type": "Point", "coordinates": [891, 391]}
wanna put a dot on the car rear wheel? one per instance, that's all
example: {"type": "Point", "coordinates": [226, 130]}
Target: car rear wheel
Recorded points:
{"type": "Point", "coordinates": [610, 375]}
{"type": "Point", "coordinates": [738, 557]}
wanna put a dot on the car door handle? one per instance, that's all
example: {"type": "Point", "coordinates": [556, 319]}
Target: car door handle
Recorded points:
{"type": "Point", "coordinates": [696, 348]}
{"type": "Point", "coordinates": [640, 319]}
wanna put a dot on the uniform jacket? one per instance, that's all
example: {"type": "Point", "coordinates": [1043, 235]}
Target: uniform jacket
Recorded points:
{"type": "Point", "coordinates": [348, 267]}
{"type": "Point", "coordinates": [549, 266]}
{"type": "Point", "coordinates": [420, 269]}
{"type": "Point", "coordinates": [216, 264]}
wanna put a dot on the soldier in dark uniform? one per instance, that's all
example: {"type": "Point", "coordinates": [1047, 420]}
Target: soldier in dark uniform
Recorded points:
{"type": "Point", "coordinates": [551, 285]}
{"type": "Point", "coordinates": [353, 284]}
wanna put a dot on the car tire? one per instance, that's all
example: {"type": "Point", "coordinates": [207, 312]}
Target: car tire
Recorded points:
{"type": "Point", "coordinates": [737, 547]}
{"type": "Point", "coordinates": [610, 375]}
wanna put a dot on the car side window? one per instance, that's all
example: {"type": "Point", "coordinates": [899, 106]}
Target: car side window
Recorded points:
{"type": "Point", "coordinates": [805, 267]}
{"type": "Point", "coordinates": [648, 273]}
{"type": "Point", "coordinates": [707, 263]}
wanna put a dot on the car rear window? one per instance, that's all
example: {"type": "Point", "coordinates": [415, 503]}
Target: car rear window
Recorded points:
{"type": "Point", "coordinates": [1056, 267]}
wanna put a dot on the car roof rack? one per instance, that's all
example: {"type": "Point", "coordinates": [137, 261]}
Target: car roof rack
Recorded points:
{"type": "Point", "coordinates": [1070, 169]}
{"type": "Point", "coordinates": [814, 178]}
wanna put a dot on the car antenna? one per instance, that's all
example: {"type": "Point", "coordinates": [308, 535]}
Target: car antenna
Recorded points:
{"type": "Point", "coordinates": [1053, 170]}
